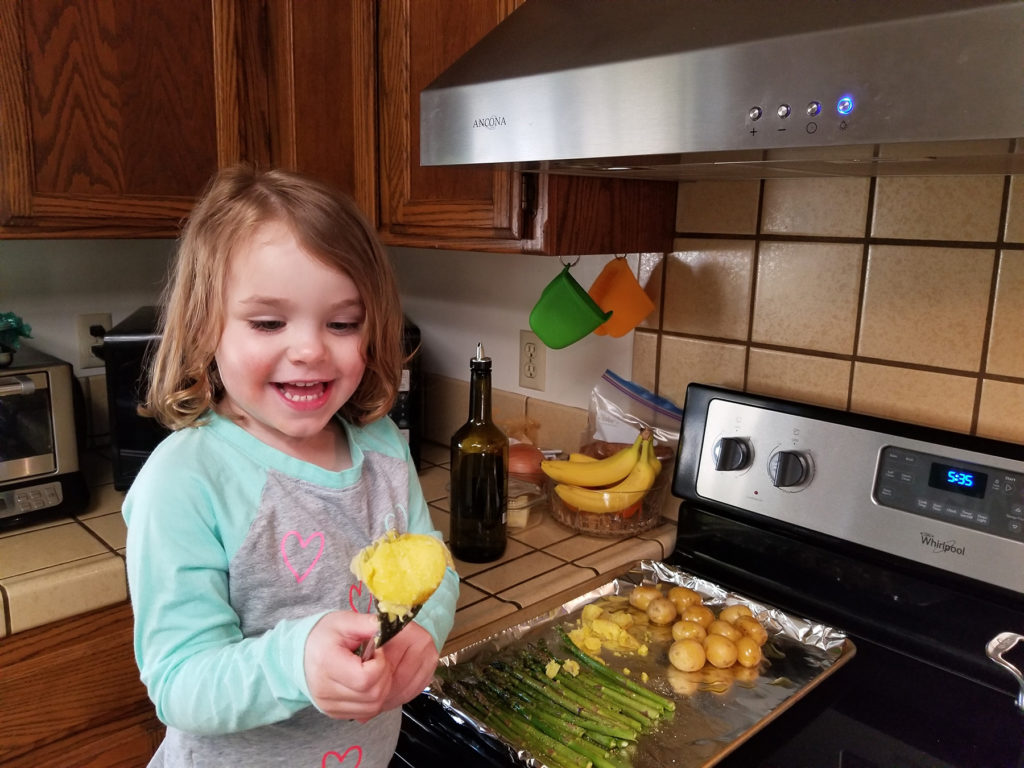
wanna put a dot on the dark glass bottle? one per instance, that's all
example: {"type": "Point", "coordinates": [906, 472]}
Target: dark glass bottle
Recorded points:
{"type": "Point", "coordinates": [479, 477]}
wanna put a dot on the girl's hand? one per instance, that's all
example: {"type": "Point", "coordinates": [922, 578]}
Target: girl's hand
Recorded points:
{"type": "Point", "coordinates": [340, 683]}
{"type": "Point", "coordinates": [412, 656]}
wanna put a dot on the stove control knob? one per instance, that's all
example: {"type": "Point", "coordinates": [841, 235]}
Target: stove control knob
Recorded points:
{"type": "Point", "coordinates": [731, 454]}
{"type": "Point", "coordinates": [788, 468]}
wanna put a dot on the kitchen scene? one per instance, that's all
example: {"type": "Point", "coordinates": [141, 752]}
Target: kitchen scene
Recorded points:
{"type": "Point", "coordinates": [715, 385]}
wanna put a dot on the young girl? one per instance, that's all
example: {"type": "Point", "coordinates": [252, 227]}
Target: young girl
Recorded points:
{"type": "Point", "coordinates": [280, 358]}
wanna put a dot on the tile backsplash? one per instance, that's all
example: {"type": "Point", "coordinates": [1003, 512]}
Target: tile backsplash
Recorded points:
{"type": "Point", "coordinates": [898, 297]}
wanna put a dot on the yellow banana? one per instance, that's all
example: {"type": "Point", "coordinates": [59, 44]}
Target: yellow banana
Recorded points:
{"type": "Point", "coordinates": [591, 474]}
{"type": "Point", "coordinates": [618, 497]}
{"type": "Point", "coordinates": [582, 457]}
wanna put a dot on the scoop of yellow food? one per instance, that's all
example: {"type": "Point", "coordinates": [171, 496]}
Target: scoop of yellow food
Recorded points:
{"type": "Point", "coordinates": [402, 570]}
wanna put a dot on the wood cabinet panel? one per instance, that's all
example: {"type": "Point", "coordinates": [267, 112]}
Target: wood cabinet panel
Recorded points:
{"type": "Point", "coordinates": [485, 208]}
{"type": "Point", "coordinates": [70, 694]}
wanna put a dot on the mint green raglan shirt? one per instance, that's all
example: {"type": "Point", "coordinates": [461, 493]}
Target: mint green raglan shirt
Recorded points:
{"type": "Point", "coordinates": [235, 550]}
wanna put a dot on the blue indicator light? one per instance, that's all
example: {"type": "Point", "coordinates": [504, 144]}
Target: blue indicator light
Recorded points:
{"type": "Point", "coordinates": [845, 105]}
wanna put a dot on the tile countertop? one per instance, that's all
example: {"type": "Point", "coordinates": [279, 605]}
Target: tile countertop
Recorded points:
{"type": "Point", "coordinates": [64, 567]}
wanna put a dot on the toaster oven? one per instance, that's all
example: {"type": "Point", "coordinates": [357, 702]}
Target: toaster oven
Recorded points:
{"type": "Point", "coordinates": [41, 408]}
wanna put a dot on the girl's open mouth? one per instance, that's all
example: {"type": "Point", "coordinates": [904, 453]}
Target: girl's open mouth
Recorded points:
{"type": "Point", "coordinates": [301, 392]}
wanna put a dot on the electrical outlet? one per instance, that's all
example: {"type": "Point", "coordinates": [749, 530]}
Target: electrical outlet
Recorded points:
{"type": "Point", "coordinates": [532, 363]}
{"type": "Point", "coordinates": [86, 340]}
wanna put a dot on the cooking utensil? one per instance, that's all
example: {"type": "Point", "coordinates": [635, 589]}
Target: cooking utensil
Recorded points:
{"type": "Point", "coordinates": [995, 649]}
{"type": "Point", "coordinates": [618, 291]}
{"type": "Point", "coordinates": [388, 627]}
{"type": "Point", "coordinates": [565, 313]}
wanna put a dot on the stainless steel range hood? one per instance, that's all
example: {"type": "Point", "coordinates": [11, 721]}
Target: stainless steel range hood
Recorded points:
{"type": "Point", "coordinates": [676, 89]}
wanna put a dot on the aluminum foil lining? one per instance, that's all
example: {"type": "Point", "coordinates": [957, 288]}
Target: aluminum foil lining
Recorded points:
{"type": "Point", "coordinates": [714, 713]}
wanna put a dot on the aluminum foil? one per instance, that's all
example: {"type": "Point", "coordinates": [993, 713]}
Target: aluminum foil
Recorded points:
{"type": "Point", "coordinates": [714, 713]}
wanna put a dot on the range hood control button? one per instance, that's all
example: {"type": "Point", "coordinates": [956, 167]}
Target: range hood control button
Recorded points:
{"type": "Point", "coordinates": [788, 468]}
{"type": "Point", "coordinates": [814, 109]}
{"type": "Point", "coordinates": [731, 454]}
{"type": "Point", "coordinates": [784, 110]}
{"type": "Point", "coordinates": [755, 113]}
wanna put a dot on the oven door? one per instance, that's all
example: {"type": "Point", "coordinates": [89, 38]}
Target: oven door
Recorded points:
{"type": "Point", "coordinates": [27, 440]}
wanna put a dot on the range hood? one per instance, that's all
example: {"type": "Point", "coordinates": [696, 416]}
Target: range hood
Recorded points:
{"type": "Point", "coordinates": [677, 89]}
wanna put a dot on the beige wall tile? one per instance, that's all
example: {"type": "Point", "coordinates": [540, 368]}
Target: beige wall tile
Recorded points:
{"type": "Point", "coordinates": [650, 274]}
{"type": "Point", "coordinates": [1006, 338]}
{"type": "Point", "coordinates": [938, 207]}
{"type": "Point", "coordinates": [926, 305]}
{"type": "Point", "coordinates": [708, 362]}
{"type": "Point", "coordinates": [559, 426]}
{"type": "Point", "coordinates": [1015, 212]}
{"type": "Point", "coordinates": [707, 288]}
{"type": "Point", "coordinates": [807, 295]}
{"type": "Point", "coordinates": [1001, 415]}
{"type": "Point", "coordinates": [645, 359]}
{"type": "Point", "coordinates": [920, 397]}
{"type": "Point", "coordinates": [809, 379]}
{"type": "Point", "coordinates": [836, 207]}
{"type": "Point", "coordinates": [719, 207]}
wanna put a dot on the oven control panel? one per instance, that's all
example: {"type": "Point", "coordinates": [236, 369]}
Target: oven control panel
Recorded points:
{"type": "Point", "coordinates": [964, 493]}
{"type": "Point", "coordinates": [935, 503]}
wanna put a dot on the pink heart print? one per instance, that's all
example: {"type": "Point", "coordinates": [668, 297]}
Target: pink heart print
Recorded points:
{"type": "Point", "coordinates": [303, 544]}
{"type": "Point", "coordinates": [358, 590]}
{"type": "Point", "coordinates": [341, 758]}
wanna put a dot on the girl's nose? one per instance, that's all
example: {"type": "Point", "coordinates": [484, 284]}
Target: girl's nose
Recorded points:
{"type": "Point", "coordinates": [306, 346]}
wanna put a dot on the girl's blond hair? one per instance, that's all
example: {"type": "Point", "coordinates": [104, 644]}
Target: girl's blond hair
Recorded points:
{"type": "Point", "coordinates": [183, 374]}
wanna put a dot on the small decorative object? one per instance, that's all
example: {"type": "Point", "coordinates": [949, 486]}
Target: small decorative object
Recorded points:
{"type": "Point", "coordinates": [12, 329]}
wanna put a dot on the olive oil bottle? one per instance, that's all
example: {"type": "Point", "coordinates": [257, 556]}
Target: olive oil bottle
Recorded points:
{"type": "Point", "coordinates": [479, 474]}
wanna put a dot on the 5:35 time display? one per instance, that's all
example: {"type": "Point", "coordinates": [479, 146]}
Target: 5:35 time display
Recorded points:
{"type": "Point", "coordinates": [961, 480]}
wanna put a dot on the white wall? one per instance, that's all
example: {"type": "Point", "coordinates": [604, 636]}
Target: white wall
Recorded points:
{"type": "Point", "coordinates": [459, 298]}
{"type": "Point", "coordinates": [48, 283]}
{"type": "Point", "coordinates": [456, 299]}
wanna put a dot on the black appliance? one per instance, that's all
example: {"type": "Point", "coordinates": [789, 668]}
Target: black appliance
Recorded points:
{"type": "Point", "coordinates": [908, 538]}
{"type": "Point", "coordinates": [133, 437]}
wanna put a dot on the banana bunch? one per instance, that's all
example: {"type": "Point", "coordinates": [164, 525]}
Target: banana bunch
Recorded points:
{"type": "Point", "coordinates": [612, 484]}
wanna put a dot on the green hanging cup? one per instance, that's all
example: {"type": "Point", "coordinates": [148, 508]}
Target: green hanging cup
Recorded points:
{"type": "Point", "coordinates": [565, 312]}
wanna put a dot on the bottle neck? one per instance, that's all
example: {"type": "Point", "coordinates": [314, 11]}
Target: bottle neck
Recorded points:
{"type": "Point", "coordinates": [480, 395]}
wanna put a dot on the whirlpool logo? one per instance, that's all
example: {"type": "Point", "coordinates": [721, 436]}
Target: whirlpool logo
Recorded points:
{"type": "Point", "coordinates": [929, 540]}
{"type": "Point", "coordinates": [490, 123]}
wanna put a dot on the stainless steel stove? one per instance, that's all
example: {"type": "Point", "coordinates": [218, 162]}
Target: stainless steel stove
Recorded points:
{"type": "Point", "coordinates": [908, 538]}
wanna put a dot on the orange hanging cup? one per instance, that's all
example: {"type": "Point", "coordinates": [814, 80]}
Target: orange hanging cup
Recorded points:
{"type": "Point", "coordinates": [617, 290]}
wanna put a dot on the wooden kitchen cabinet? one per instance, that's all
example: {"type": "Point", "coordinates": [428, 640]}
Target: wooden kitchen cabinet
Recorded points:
{"type": "Point", "coordinates": [115, 113]}
{"type": "Point", "coordinates": [482, 208]}
{"type": "Point", "coordinates": [70, 695]}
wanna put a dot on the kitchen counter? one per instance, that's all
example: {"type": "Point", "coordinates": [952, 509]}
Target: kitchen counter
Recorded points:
{"type": "Point", "coordinates": [69, 566]}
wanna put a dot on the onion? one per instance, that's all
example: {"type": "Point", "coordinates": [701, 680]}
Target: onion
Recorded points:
{"type": "Point", "coordinates": [524, 462]}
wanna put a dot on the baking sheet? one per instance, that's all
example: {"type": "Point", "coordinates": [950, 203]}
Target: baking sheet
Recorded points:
{"type": "Point", "coordinates": [715, 712]}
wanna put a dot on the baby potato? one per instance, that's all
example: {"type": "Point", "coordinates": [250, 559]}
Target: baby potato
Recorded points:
{"type": "Point", "coordinates": [698, 613]}
{"type": "Point", "coordinates": [683, 596]}
{"type": "Point", "coordinates": [748, 652]}
{"type": "Point", "coordinates": [661, 610]}
{"type": "Point", "coordinates": [720, 651]}
{"type": "Point", "coordinates": [732, 612]}
{"type": "Point", "coordinates": [725, 629]}
{"type": "Point", "coordinates": [686, 655]}
{"type": "Point", "coordinates": [688, 630]}
{"type": "Point", "coordinates": [642, 596]}
{"type": "Point", "coordinates": [752, 628]}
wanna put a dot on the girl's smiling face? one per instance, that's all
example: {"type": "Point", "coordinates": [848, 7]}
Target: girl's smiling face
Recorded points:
{"type": "Point", "coordinates": [290, 354]}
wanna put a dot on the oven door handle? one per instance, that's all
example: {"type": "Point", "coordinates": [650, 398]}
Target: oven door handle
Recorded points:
{"type": "Point", "coordinates": [16, 385]}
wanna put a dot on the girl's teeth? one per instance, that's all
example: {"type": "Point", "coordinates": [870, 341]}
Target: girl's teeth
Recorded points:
{"type": "Point", "coordinates": [314, 391]}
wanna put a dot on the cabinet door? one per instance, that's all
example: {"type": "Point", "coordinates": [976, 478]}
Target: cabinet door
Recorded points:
{"type": "Point", "coordinates": [447, 207]}
{"type": "Point", "coordinates": [114, 113]}
{"type": "Point", "coordinates": [489, 209]}
{"type": "Point", "coordinates": [322, 82]}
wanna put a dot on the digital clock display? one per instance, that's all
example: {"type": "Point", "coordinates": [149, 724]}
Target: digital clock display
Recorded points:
{"type": "Point", "coordinates": [958, 480]}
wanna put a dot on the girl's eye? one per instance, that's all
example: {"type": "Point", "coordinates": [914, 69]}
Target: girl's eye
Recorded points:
{"type": "Point", "coordinates": [266, 325]}
{"type": "Point", "coordinates": [345, 327]}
